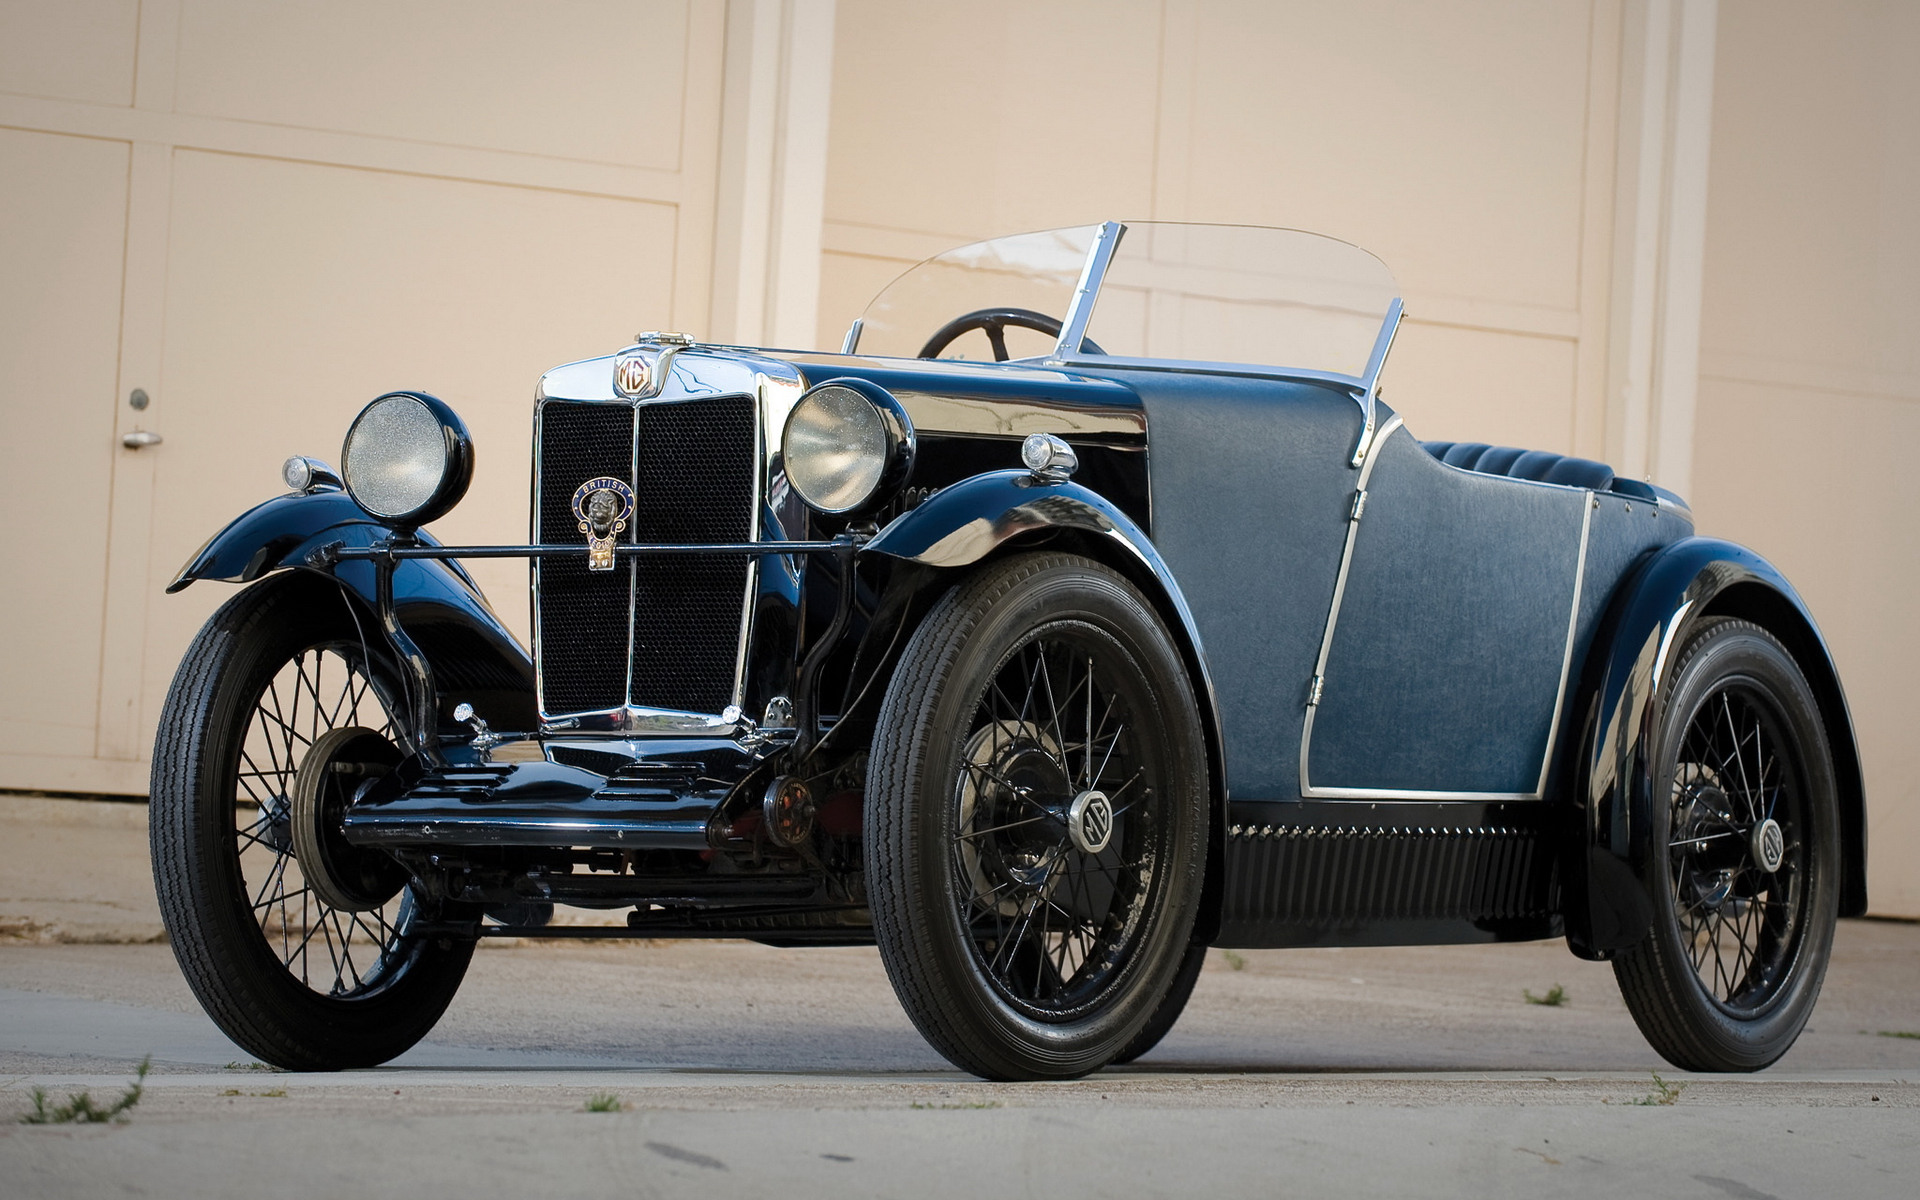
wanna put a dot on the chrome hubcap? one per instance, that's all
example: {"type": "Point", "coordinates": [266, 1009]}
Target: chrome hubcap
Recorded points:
{"type": "Point", "coordinates": [1090, 821]}
{"type": "Point", "coordinates": [1769, 845]}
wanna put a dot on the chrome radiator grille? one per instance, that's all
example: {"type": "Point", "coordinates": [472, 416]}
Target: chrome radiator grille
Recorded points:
{"type": "Point", "coordinates": [659, 632]}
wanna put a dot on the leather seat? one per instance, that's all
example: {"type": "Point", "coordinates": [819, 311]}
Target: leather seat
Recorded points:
{"type": "Point", "coordinates": [1537, 465]}
{"type": "Point", "coordinates": [1543, 467]}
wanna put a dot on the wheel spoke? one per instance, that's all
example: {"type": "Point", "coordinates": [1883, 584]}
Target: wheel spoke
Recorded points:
{"type": "Point", "coordinates": [307, 698]}
{"type": "Point", "coordinates": [1052, 924]}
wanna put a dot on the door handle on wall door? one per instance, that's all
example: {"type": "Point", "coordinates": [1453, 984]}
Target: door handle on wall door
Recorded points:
{"type": "Point", "coordinates": [139, 438]}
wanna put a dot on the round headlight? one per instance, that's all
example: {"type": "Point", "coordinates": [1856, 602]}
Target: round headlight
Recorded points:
{"type": "Point", "coordinates": [408, 458]}
{"type": "Point", "coordinates": [848, 444]}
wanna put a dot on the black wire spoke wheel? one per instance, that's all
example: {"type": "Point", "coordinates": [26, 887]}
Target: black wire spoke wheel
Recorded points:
{"type": "Point", "coordinates": [298, 944]}
{"type": "Point", "coordinates": [1054, 849]}
{"type": "Point", "coordinates": [1743, 857]}
{"type": "Point", "coordinates": [1735, 855]}
{"type": "Point", "coordinates": [339, 949]}
{"type": "Point", "coordinates": [1036, 820]}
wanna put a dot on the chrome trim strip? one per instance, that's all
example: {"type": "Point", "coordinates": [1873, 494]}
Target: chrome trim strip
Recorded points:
{"type": "Point", "coordinates": [754, 533]}
{"type": "Point", "coordinates": [1351, 383]}
{"type": "Point", "coordinates": [852, 341]}
{"type": "Point", "coordinates": [1333, 615]}
{"type": "Point", "coordinates": [1666, 643]}
{"type": "Point", "coordinates": [533, 535]}
{"type": "Point", "coordinates": [633, 568]}
{"type": "Point", "coordinates": [1309, 791]}
{"type": "Point", "coordinates": [1341, 793]}
{"type": "Point", "coordinates": [1086, 293]}
{"type": "Point", "coordinates": [633, 719]}
{"type": "Point", "coordinates": [1369, 403]}
{"type": "Point", "coordinates": [1566, 659]}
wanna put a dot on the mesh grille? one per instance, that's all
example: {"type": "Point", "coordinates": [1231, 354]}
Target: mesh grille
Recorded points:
{"type": "Point", "coordinates": [696, 485]}
{"type": "Point", "coordinates": [583, 614]}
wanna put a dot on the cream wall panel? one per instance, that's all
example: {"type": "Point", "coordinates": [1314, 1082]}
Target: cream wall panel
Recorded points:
{"type": "Point", "coordinates": [1453, 140]}
{"type": "Point", "coordinates": [69, 49]}
{"type": "Point", "coordinates": [299, 292]}
{"type": "Point", "coordinates": [61, 243]}
{"type": "Point", "coordinates": [600, 80]}
{"type": "Point", "coordinates": [1823, 485]}
{"type": "Point", "coordinates": [1446, 138]}
{"type": "Point", "coordinates": [1809, 399]}
{"type": "Point", "coordinates": [1812, 247]}
{"type": "Point", "coordinates": [1473, 385]}
{"type": "Point", "coordinates": [985, 118]}
{"type": "Point", "coordinates": [847, 283]}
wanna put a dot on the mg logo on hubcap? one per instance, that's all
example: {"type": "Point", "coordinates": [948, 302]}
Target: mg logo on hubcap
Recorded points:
{"type": "Point", "coordinates": [1090, 821]}
{"type": "Point", "coordinates": [1769, 845]}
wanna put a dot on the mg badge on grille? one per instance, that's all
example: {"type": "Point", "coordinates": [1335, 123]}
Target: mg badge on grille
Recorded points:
{"type": "Point", "coordinates": [602, 507]}
{"type": "Point", "coordinates": [631, 374]}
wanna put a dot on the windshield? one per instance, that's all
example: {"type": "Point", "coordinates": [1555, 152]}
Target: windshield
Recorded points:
{"type": "Point", "coordinates": [1032, 271]}
{"type": "Point", "coordinates": [1225, 295]}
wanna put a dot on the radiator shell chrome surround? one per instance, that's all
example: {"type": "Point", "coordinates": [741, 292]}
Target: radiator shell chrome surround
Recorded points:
{"type": "Point", "coordinates": [692, 373]}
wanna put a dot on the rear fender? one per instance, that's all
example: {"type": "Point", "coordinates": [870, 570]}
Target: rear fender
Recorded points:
{"type": "Point", "coordinates": [473, 655]}
{"type": "Point", "coordinates": [1610, 780]}
{"type": "Point", "coordinates": [988, 515]}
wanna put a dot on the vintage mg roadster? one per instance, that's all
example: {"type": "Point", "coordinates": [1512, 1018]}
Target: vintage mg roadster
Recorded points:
{"type": "Point", "coordinates": [1088, 609]}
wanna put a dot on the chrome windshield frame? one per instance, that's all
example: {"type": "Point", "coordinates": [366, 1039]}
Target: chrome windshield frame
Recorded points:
{"type": "Point", "coordinates": [1364, 388]}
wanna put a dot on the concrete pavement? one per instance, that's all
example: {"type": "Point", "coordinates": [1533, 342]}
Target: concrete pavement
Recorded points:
{"type": "Point", "coordinates": [742, 1069]}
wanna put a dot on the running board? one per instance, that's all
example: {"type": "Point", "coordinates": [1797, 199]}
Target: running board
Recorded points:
{"type": "Point", "coordinates": [535, 804]}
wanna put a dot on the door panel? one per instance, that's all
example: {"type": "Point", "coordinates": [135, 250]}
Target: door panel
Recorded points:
{"type": "Point", "coordinates": [1250, 491]}
{"type": "Point", "coordinates": [1450, 645]}
{"type": "Point", "coordinates": [298, 292]}
{"type": "Point", "coordinates": [61, 243]}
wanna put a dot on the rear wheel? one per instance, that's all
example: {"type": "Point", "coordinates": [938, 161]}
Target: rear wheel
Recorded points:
{"type": "Point", "coordinates": [1743, 857]}
{"type": "Point", "coordinates": [1036, 823]}
{"type": "Point", "coordinates": [299, 945]}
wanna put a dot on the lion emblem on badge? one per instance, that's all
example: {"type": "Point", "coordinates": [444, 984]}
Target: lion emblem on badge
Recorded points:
{"type": "Point", "coordinates": [602, 506]}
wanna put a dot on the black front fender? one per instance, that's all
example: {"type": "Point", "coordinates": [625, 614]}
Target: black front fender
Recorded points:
{"type": "Point", "coordinates": [1610, 780]}
{"type": "Point", "coordinates": [473, 654]}
{"type": "Point", "coordinates": [963, 525]}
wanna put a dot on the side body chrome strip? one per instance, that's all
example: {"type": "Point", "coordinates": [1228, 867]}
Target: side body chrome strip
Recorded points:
{"type": "Point", "coordinates": [1307, 788]}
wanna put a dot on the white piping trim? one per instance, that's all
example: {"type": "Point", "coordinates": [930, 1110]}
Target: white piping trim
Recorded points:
{"type": "Point", "coordinates": [1339, 592]}
{"type": "Point", "coordinates": [1308, 791]}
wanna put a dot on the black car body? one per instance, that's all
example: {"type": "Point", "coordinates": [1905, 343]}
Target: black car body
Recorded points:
{"type": "Point", "coordinates": [1429, 679]}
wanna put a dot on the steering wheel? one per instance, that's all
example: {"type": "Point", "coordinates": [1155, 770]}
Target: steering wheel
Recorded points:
{"type": "Point", "coordinates": [994, 322]}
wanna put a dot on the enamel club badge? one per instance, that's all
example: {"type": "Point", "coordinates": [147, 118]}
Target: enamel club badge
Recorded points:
{"type": "Point", "coordinates": [602, 506]}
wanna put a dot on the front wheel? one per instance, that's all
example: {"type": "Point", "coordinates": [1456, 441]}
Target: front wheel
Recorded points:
{"type": "Point", "coordinates": [1743, 857]}
{"type": "Point", "coordinates": [298, 945]}
{"type": "Point", "coordinates": [1036, 819]}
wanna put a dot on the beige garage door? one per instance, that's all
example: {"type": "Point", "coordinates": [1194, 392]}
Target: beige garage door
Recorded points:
{"type": "Point", "coordinates": [61, 249]}
{"type": "Point", "coordinates": [263, 216]}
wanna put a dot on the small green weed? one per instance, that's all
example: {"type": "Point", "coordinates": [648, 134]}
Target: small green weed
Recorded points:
{"type": "Point", "coordinates": [1237, 961]}
{"type": "Point", "coordinates": [957, 1104]}
{"type": "Point", "coordinates": [80, 1108]}
{"type": "Point", "coordinates": [1662, 1093]}
{"type": "Point", "coordinates": [1900, 1033]}
{"type": "Point", "coordinates": [604, 1102]}
{"type": "Point", "coordinates": [1555, 997]}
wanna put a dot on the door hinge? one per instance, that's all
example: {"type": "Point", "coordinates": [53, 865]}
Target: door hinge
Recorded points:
{"type": "Point", "coordinates": [1313, 690]}
{"type": "Point", "coordinates": [1359, 505]}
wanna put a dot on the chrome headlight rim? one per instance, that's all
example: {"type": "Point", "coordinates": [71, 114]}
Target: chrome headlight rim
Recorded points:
{"type": "Point", "coordinates": [897, 457]}
{"type": "Point", "coordinates": [456, 463]}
